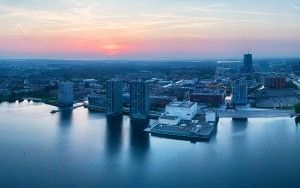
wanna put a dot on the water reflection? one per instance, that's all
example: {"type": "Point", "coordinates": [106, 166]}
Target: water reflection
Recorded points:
{"type": "Point", "coordinates": [79, 152]}
{"type": "Point", "coordinates": [297, 120]}
{"type": "Point", "coordinates": [65, 118]}
{"type": "Point", "coordinates": [213, 135]}
{"type": "Point", "coordinates": [64, 127]}
{"type": "Point", "coordinates": [239, 126]}
{"type": "Point", "coordinates": [139, 140]}
{"type": "Point", "coordinates": [114, 134]}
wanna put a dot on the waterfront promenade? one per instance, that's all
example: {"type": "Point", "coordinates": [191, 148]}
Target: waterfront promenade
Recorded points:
{"type": "Point", "coordinates": [254, 113]}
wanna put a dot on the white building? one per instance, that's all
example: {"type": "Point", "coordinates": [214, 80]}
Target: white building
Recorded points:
{"type": "Point", "coordinates": [184, 110]}
{"type": "Point", "coordinates": [65, 94]}
{"type": "Point", "coordinates": [177, 111]}
{"type": "Point", "coordinates": [169, 120]}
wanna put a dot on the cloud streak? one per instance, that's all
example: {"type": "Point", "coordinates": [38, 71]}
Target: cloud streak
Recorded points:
{"type": "Point", "coordinates": [111, 27]}
{"type": "Point", "coordinates": [295, 6]}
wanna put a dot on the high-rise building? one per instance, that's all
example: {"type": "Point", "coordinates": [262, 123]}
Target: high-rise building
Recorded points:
{"type": "Point", "coordinates": [239, 92]}
{"type": "Point", "coordinates": [114, 94]}
{"type": "Point", "coordinates": [139, 99]}
{"type": "Point", "coordinates": [65, 94]}
{"type": "Point", "coordinates": [97, 103]}
{"type": "Point", "coordinates": [248, 63]}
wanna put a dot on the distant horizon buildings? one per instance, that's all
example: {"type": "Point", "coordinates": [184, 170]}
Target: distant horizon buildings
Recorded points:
{"type": "Point", "coordinates": [222, 71]}
{"type": "Point", "coordinates": [114, 95]}
{"type": "Point", "coordinates": [277, 81]}
{"type": "Point", "coordinates": [139, 99]}
{"type": "Point", "coordinates": [247, 64]}
{"type": "Point", "coordinates": [206, 95]}
{"type": "Point", "coordinates": [264, 67]}
{"type": "Point", "coordinates": [65, 94]}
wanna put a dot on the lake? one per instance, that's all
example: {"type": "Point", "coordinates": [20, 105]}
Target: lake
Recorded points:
{"type": "Point", "coordinates": [83, 149]}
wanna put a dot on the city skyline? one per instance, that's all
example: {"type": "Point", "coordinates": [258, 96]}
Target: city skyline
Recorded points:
{"type": "Point", "coordinates": [149, 93]}
{"type": "Point", "coordinates": [148, 30]}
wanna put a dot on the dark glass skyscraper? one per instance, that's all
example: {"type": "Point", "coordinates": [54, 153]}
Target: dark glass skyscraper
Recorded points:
{"type": "Point", "coordinates": [239, 92]}
{"type": "Point", "coordinates": [114, 97]}
{"type": "Point", "coordinates": [248, 63]}
{"type": "Point", "coordinates": [139, 99]}
{"type": "Point", "coordinates": [65, 95]}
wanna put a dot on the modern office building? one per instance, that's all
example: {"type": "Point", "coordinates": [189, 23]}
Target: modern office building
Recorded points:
{"type": "Point", "coordinates": [97, 103]}
{"type": "Point", "coordinates": [248, 63]}
{"type": "Point", "coordinates": [239, 92]}
{"type": "Point", "coordinates": [139, 99]}
{"type": "Point", "coordinates": [65, 94]}
{"type": "Point", "coordinates": [114, 94]}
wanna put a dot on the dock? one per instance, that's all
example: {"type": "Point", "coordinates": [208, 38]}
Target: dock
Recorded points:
{"type": "Point", "coordinates": [67, 108]}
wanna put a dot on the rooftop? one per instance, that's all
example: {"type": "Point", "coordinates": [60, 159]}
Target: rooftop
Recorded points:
{"type": "Point", "coordinates": [184, 104]}
{"type": "Point", "coordinates": [169, 117]}
{"type": "Point", "coordinates": [210, 91]}
{"type": "Point", "coordinates": [196, 128]}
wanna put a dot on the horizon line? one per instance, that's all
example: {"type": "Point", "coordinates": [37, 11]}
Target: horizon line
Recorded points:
{"type": "Point", "coordinates": [145, 59]}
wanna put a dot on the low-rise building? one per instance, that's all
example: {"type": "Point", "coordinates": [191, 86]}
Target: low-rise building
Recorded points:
{"type": "Point", "coordinates": [185, 110]}
{"type": "Point", "coordinates": [208, 95]}
{"type": "Point", "coordinates": [276, 81]}
{"type": "Point", "coordinates": [161, 100]}
{"type": "Point", "coordinates": [222, 71]}
{"type": "Point", "coordinates": [182, 121]}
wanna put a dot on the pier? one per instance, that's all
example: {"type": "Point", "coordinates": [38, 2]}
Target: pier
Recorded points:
{"type": "Point", "coordinates": [68, 108]}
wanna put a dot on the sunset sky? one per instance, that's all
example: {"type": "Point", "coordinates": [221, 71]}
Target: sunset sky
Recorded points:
{"type": "Point", "coordinates": [149, 29]}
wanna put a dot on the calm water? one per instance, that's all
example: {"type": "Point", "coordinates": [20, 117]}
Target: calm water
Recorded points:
{"type": "Point", "coordinates": [79, 148]}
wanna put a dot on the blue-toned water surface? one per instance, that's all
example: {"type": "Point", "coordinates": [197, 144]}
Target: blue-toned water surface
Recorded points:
{"type": "Point", "coordinates": [84, 149]}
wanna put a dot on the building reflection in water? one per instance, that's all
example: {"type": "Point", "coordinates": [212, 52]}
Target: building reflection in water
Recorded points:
{"type": "Point", "coordinates": [139, 139]}
{"type": "Point", "coordinates": [239, 126]}
{"type": "Point", "coordinates": [114, 126]}
{"type": "Point", "coordinates": [65, 118]}
{"type": "Point", "coordinates": [64, 127]}
{"type": "Point", "coordinates": [213, 135]}
{"type": "Point", "coordinates": [297, 120]}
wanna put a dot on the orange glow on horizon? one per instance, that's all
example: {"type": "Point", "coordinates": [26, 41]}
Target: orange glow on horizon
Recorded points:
{"type": "Point", "coordinates": [112, 49]}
